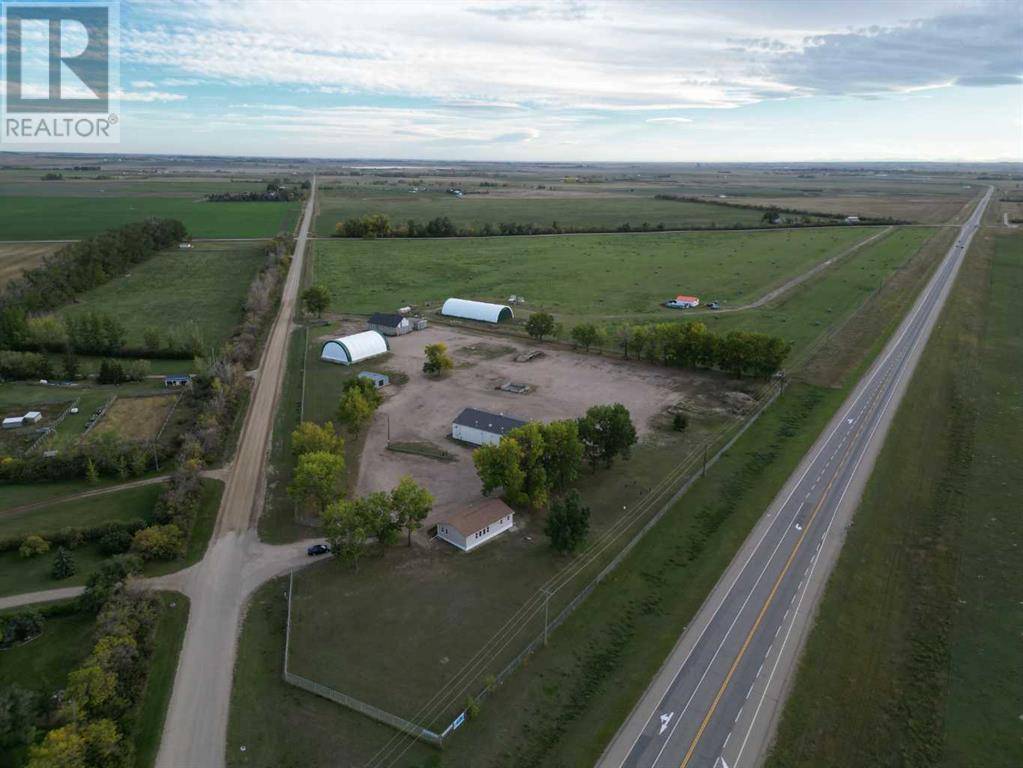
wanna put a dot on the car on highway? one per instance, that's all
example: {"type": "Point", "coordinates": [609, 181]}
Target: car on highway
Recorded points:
{"type": "Point", "coordinates": [317, 549]}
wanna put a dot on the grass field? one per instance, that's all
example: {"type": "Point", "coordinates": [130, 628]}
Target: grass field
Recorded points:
{"type": "Point", "coordinates": [924, 599]}
{"type": "Point", "coordinates": [18, 575]}
{"type": "Point", "coordinates": [206, 285]}
{"type": "Point", "coordinates": [43, 664]}
{"type": "Point", "coordinates": [826, 300]}
{"type": "Point", "coordinates": [116, 506]}
{"type": "Point", "coordinates": [170, 633]}
{"type": "Point", "coordinates": [577, 277]}
{"type": "Point", "coordinates": [71, 218]}
{"type": "Point", "coordinates": [920, 209]}
{"type": "Point", "coordinates": [578, 212]}
{"type": "Point", "coordinates": [15, 259]}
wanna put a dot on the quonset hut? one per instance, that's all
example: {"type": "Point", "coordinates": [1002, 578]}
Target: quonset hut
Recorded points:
{"type": "Point", "coordinates": [477, 310]}
{"type": "Point", "coordinates": [355, 348]}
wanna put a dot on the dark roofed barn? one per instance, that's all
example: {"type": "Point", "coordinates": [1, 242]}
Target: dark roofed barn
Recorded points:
{"type": "Point", "coordinates": [483, 428]}
{"type": "Point", "coordinates": [389, 325]}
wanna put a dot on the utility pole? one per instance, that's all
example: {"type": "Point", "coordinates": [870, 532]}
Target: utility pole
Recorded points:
{"type": "Point", "coordinates": [546, 614]}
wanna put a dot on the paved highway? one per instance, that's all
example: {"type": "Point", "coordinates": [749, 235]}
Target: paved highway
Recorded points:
{"type": "Point", "coordinates": [716, 700]}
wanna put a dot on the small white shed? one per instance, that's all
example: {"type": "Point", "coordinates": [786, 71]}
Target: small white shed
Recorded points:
{"type": "Point", "coordinates": [13, 422]}
{"type": "Point", "coordinates": [477, 524]}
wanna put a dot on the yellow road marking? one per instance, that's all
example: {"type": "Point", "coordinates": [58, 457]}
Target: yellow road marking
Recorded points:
{"type": "Point", "coordinates": [774, 590]}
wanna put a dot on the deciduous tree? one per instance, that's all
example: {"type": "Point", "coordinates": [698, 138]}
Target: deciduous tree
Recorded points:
{"type": "Point", "coordinates": [568, 522]}
{"type": "Point", "coordinates": [412, 504]}
{"type": "Point", "coordinates": [540, 324]}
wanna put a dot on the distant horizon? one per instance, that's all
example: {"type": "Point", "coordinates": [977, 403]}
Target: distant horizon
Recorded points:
{"type": "Point", "coordinates": [483, 161]}
{"type": "Point", "coordinates": [542, 80]}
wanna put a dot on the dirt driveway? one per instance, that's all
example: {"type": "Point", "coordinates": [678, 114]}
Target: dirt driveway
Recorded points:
{"type": "Point", "coordinates": [564, 384]}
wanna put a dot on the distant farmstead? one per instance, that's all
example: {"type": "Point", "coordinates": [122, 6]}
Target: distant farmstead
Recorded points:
{"type": "Point", "coordinates": [390, 325]}
{"type": "Point", "coordinates": [683, 302]}
{"type": "Point", "coordinates": [347, 350]}
{"type": "Point", "coordinates": [477, 310]}
{"type": "Point", "coordinates": [176, 380]}
{"type": "Point", "coordinates": [483, 428]}
{"type": "Point", "coordinates": [476, 524]}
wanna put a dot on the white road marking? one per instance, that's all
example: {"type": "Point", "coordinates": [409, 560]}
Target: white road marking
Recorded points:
{"type": "Point", "coordinates": [665, 719]}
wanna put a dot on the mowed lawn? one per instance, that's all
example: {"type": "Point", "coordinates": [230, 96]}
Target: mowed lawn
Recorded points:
{"type": "Point", "coordinates": [579, 211]}
{"type": "Point", "coordinates": [924, 601]}
{"type": "Point", "coordinates": [206, 285]}
{"type": "Point", "coordinates": [71, 218]}
{"type": "Point", "coordinates": [577, 277]}
{"type": "Point", "coordinates": [116, 506]}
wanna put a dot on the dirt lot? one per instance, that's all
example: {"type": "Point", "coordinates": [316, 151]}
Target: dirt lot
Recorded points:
{"type": "Point", "coordinates": [564, 384]}
{"type": "Point", "coordinates": [136, 418]}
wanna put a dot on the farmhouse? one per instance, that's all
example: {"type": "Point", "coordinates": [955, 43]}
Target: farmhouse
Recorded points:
{"type": "Point", "coordinates": [176, 380]}
{"type": "Point", "coordinates": [683, 302]}
{"type": "Point", "coordinates": [482, 428]}
{"type": "Point", "coordinates": [355, 348]}
{"type": "Point", "coordinates": [379, 379]}
{"type": "Point", "coordinates": [852, 219]}
{"type": "Point", "coordinates": [477, 310]}
{"type": "Point", "coordinates": [389, 325]}
{"type": "Point", "coordinates": [473, 525]}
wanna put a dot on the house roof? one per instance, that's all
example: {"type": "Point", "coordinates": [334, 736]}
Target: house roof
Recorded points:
{"type": "Point", "coordinates": [476, 517]}
{"type": "Point", "coordinates": [373, 376]}
{"type": "Point", "coordinates": [495, 423]}
{"type": "Point", "coordinates": [386, 320]}
{"type": "Point", "coordinates": [177, 377]}
{"type": "Point", "coordinates": [686, 298]}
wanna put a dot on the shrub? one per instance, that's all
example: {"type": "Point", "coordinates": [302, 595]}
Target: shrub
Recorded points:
{"type": "Point", "coordinates": [115, 543]}
{"type": "Point", "coordinates": [159, 542]}
{"type": "Point", "coordinates": [33, 546]}
{"type": "Point", "coordinates": [20, 627]}
{"type": "Point", "coordinates": [679, 422]}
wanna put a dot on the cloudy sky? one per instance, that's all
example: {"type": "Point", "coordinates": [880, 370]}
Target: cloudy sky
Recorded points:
{"type": "Point", "coordinates": [580, 80]}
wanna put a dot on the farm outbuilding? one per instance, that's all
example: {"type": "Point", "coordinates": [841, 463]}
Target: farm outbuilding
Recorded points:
{"type": "Point", "coordinates": [13, 422]}
{"type": "Point", "coordinates": [355, 348]}
{"type": "Point", "coordinates": [483, 428]}
{"type": "Point", "coordinates": [477, 310]}
{"type": "Point", "coordinates": [379, 379]}
{"type": "Point", "coordinates": [476, 524]}
{"type": "Point", "coordinates": [176, 380]}
{"type": "Point", "coordinates": [389, 325]}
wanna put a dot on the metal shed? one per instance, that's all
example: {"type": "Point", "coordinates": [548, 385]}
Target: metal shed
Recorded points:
{"type": "Point", "coordinates": [477, 310]}
{"type": "Point", "coordinates": [355, 348]}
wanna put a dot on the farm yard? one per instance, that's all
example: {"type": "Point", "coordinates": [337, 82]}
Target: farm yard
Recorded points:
{"type": "Point", "coordinates": [177, 290]}
{"type": "Point", "coordinates": [576, 277]}
{"type": "Point", "coordinates": [136, 418]}
{"type": "Point", "coordinates": [395, 617]}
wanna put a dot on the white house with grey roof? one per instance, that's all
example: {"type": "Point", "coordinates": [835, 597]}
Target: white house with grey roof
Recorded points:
{"type": "Point", "coordinates": [483, 428]}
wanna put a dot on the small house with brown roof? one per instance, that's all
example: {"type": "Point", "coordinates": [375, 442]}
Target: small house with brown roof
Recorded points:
{"type": "Point", "coordinates": [471, 526]}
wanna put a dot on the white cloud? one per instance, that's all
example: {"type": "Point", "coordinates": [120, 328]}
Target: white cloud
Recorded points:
{"type": "Point", "coordinates": [669, 120]}
{"type": "Point", "coordinates": [148, 96]}
{"type": "Point", "coordinates": [143, 84]}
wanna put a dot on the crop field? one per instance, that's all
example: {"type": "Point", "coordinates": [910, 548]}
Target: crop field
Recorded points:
{"type": "Point", "coordinates": [577, 277]}
{"type": "Point", "coordinates": [16, 258]}
{"type": "Point", "coordinates": [922, 210]}
{"type": "Point", "coordinates": [205, 285]}
{"type": "Point", "coordinates": [136, 418]}
{"type": "Point", "coordinates": [25, 217]}
{"type": "Point", "coordinates": [584, 211]}
{"type": "Point", "coordinates": [818, 306]}
{"type": "Point", "coordinates": [924, 599]}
